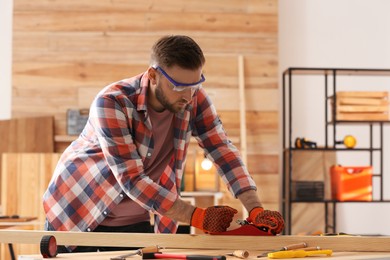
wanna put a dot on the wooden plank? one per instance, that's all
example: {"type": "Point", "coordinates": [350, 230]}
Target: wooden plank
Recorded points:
{"type": "Point", "coordinates": [363, 94]}
{"type": "Point", "coordinates": [362, 101]}
{"type": "Point", "coordinates": [78, 73]}
{"type": "Point", "coordinates": [217, 6]}
{"type": "Point", "coordinates": [242, 108]}
{"type": "Point", "coordinates": [263, 163]}
{"type": "Point", "coordinates": [25, 178]}
{"type": "Point", "coordinates": [87, 20]}
{"type": "Point", "coordinates": [181, 241]}
{"type": "Point", "coordinates": [264, 143]}
{"type": "Point", "coordinates": [363, 109]}
{"type": "Point", "coordinates": [213, 252]}
{"type": "Point", "coordinates": [363, 116]}
{"type": "Point", "coordinates": [9, 184]}
{"type": "Point", "coordinates": [212, 42]}
{"type": "Point", "coordinates": [20, 134]}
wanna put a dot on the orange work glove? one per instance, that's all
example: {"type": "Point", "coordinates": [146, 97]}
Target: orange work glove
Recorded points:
{"type": "Point", "coordinates": [272, 220]}
{"type": "Point", "coordinates": [213, 219]}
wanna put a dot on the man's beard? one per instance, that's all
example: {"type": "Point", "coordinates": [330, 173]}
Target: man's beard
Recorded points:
{"type": "Point", "coordinates": [162, 98]}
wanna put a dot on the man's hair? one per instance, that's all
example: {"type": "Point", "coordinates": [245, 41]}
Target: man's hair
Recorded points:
{"type": "Point", "coordinates": [178, 50]}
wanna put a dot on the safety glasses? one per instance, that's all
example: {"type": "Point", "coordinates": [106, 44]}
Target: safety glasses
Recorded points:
{"type": "Point", "coordinates": [177, 86]}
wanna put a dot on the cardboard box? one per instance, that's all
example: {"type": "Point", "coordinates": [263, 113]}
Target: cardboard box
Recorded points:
{"type": "Point", "coordinates": [351, 183]}
{"type": "Point", "coordinates": [362, 105]}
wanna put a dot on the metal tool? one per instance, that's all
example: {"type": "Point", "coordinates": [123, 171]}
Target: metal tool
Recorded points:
{"type": "Point", "coordinates": [239, 253]}
{"type": "Point", "coordinates": [298, 253]}
{"type": "Point", "coordinates": [141, 252]}
{"type": "Point", "coordinates": [285, 248]}
{"type": "Point", "coordinates": [246, 229]}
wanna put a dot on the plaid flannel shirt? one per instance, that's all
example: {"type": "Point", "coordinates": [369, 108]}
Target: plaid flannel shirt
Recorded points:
{"type": "Point", "coordinates": [105, 163]}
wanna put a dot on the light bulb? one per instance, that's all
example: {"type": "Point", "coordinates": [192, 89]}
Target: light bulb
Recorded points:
{"type": "Point", "coordinates": [206, 164]}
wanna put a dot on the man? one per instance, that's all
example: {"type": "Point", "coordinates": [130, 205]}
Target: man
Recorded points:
{"type": "Point", "coordinates": [129, 160]}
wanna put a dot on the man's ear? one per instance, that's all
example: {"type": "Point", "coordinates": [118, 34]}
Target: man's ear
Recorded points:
{"type": "Point", "coordinates": [152, 75]}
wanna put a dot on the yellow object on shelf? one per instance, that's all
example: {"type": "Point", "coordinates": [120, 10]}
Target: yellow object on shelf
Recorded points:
{"type": "Point", "coordinates": [298, 253]}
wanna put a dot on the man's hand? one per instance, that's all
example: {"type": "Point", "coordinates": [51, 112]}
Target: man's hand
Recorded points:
{"type": "Point", "coordinates": [213, 219]}
{"type": "Point", "coordinates": [272, 220]}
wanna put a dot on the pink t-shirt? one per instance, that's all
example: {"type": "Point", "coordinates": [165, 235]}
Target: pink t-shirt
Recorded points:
{"type": "Point", "coordinates": [129, 212]}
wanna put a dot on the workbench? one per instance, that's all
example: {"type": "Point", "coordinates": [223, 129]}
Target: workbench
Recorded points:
{"type": "Point", "coordinates": [344, 247]}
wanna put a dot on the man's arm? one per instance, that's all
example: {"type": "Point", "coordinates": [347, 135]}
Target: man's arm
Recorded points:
{"type": "Point", "coordinates": [180, 211]}
{"type": "Point", "coordinates": [250, 200]}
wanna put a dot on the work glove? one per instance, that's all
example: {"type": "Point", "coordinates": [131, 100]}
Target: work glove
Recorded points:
{"type": "Point", "coordinates": [213, 219]}
{"type": "Point", "coordinates": [271, 220]}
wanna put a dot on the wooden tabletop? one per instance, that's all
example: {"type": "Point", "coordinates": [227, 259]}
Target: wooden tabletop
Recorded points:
{"type": "Point", "coordinates": [252, 255]}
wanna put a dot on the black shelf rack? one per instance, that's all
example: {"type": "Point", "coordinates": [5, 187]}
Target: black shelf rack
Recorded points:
{"type": "Point", "coordinates": [330, 86]}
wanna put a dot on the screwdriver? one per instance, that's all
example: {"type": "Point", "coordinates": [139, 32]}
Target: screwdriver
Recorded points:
{"type": "Point", "coordinates": [141, 251]}
{"type": "Point", "coordinates": [298, 253]}
{"type": "Point", "coordinates": [285, 248]}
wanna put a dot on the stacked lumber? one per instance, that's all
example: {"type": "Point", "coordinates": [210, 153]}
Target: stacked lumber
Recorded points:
{"type": "Point", "coordinates": [362, 105]}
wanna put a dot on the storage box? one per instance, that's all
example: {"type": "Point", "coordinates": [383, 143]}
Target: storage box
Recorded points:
{"type": "Point", "coordinates": [351, 183]}
{"type": "Point", "coordinates": [362, 105]}
{"type": "Point", "coordinates": [307, 190]}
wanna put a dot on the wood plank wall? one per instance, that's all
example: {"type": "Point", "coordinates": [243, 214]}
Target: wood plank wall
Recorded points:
{"type": "Point", "coordinates": [65, 49]}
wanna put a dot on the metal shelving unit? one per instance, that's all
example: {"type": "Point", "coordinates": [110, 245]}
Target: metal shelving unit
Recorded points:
{"type": "Point", "coordinates": [330, 133]}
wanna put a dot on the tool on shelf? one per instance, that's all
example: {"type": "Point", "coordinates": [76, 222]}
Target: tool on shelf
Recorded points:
{"type": "Point", "coordinates": [349, 141]}
{"type": "Point", "coordinates": [303, 143]}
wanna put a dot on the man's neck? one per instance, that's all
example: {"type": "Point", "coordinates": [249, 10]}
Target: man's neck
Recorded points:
{"type": "Point", "coordinates": [152, 100]}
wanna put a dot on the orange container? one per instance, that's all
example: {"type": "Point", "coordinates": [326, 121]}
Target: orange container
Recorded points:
{"type": "Point", "coordinates": [351, 183]}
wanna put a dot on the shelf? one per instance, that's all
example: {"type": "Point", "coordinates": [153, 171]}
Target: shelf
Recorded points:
{"type": "Point", "coordinates": [358, 122]}
{"type": "Point", "coordinates": [335, 149]}
{"type": "Point", "coordinates": [338, 201]}
{"type": "Point", "coordinates": [339, 71]}
{"type": "Point", "coordinates": [306, 161]}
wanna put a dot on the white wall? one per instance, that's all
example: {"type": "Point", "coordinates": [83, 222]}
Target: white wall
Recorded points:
{"type": "Point", "coordinates": [342, 34]}
{"type": "Point", "coordinates": [5, 58]}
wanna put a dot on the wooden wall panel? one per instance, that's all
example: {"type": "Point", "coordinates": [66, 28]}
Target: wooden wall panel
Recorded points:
{"type": "Point", "coordinates": [24, 180]}
{"type": "Point", "coordinates": [65, 51]}
{"type": "Point", "coordinates": [216, 6]}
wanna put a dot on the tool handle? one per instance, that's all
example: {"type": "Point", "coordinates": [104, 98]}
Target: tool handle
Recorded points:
{"type": "Point", "coordinates": [294, 246]}
{"type": "Point", "coordinates": [181, 256]}
{"type": "Point", "coordinates": [148, 249]}
{"type": "Point", "coordinates": [298, 254]}
{"type": "Point", "coordinates": [205, 257]}
{"type": "Point", "coordinates": [241, 254]}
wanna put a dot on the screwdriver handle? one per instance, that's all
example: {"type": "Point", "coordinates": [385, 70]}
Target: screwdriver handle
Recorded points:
{"type": "Point", "coordinates": [148, 249]}
{"type": "Point", "coordinates": [295, 246]}
{"type": "Point", "coordinates": [241, 254]}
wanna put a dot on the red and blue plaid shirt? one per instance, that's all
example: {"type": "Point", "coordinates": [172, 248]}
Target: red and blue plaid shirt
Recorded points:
{"type": "Point", "coordinates": [105, 163]}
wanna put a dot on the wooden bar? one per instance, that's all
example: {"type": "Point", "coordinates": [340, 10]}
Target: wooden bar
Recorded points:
{"type": "Point", "coordinates": [182, 241]}
{"type": "Point", "coordinates": [252, 255]}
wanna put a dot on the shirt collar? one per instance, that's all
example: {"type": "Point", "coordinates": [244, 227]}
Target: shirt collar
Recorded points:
{"type": "Point", "coordinates": [143, 91]}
